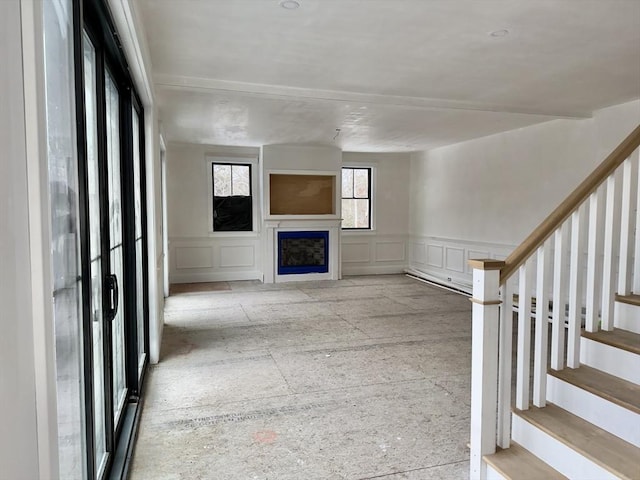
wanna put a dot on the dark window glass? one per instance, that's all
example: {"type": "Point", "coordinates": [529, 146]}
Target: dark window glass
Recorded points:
{"type": "Point", "coordinates": [232, 202]}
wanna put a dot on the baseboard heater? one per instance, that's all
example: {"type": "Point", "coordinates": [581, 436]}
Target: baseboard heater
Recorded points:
{"type": "Point", "coordinates": [435, 282]}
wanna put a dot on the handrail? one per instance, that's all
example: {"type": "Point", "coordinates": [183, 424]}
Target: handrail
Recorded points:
{"type": "Point", "coordinates": [573, 201]}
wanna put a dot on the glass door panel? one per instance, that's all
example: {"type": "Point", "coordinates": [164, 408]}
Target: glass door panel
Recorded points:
{"type": "Point", "coordinates": [140, 297]}
{"type": "Point", "coordinates": [65, 238]}
{"type": "Point", "coordinates": [95, 255]}
{"type": "Point", "coordinates": [112, 110]}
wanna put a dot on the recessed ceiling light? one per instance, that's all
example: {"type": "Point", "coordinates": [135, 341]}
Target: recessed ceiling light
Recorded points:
{"type": "Point", "coordinates": [289, 4]}
{"type": "Point", "coordinates": [499, 33]}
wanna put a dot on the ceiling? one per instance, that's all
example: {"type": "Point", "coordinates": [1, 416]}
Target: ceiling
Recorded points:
{"type": "Point", "coordinates": [392, 75]}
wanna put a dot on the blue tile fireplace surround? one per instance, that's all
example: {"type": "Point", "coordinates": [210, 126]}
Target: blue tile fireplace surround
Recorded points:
{"type": "Point", "coordinates": [303, 252]}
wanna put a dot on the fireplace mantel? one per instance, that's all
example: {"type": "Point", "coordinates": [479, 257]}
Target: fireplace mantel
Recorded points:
{"type": "Point", "coordinates": [294, 224]}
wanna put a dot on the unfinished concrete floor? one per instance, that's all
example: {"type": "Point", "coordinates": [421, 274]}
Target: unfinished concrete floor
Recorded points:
{"type": "Point", "coordinates": [367, 377]}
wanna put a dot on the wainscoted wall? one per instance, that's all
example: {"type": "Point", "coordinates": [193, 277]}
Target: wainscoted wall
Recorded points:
{"type": "Point", "coordinates": [369, 254]}
{"type": "Point", "coordinates": [214, 259]}
{"type": "Point", "coordinates": [195, 253]}
{"type": "Point", "coordinates": [384, 249]}
{"type": "Point", "coordinates": [445, 260]}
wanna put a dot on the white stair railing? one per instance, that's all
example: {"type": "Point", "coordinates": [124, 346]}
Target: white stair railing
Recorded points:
{"type": "Point", "coordinates": [568, 272]}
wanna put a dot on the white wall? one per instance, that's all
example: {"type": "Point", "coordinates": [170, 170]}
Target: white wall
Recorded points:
{"type": "Point", "coordinates": [383, 250]}
{"type": "Point", "coordinates": [484, 196]}
{"type": "Point", "coordinates": [18, 440]}
{"type": "Point", "coordinates": [196, 254]}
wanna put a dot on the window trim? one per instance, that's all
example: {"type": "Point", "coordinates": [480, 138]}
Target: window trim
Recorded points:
{"type": "Point", "coordinates": [252, 162]}
{"type": "Point", "coordinates": [372, 205]}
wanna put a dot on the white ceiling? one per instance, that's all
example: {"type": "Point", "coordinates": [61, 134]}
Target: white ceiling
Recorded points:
{"type": "Point", "coordinates": [393, 75]}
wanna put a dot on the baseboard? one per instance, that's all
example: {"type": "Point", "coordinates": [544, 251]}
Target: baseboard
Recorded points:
{"type": "Point", "coordinates": [214, 277]}
{"type": "Point", "coordinates": [372, 269]}
{"type": "Point", "coordinates": [458, 287]}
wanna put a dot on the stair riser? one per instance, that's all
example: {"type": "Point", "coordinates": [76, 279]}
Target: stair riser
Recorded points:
{"type": "Point", "coordinates": [559, 456]}
{"type": "Point", "coordinates": [613, 418]}
{"type": "Point", "coordinates": [627, 317]}
{"type": "Point", "coordinates": [612, 360]}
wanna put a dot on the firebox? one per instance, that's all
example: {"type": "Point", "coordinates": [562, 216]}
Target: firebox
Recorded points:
{"type": "Point", "coordinates": [303, 252]}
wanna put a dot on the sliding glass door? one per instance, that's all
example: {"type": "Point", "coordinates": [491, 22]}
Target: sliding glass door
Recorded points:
{"type": "Point", "coordinates": [113, 236]}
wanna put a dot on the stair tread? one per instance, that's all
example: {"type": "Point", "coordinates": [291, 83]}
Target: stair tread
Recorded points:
{"type": "Point", "coordinates": [633, 299]}
{"type": "Point", "coordinates": [516, 462]}
{"type": "Point", "coordinates": [609, 387]}
{"type": "Point", "coordinates": [619, 338]}
{"type": "Point", "coordinates": [601, 447]}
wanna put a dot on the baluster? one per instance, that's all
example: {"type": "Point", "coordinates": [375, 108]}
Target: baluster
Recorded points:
{"type": "Point", "coordinates": [636, 264]}
{"type": "Point", "coordinates": [627, 225]}
{"type": "Point", "coordinates": [576, 272]}
{"type": "Point", "coordinates": [594, 265]}
{"type": "Point", "coordinates": [542, 328]}
{"type": "Point", "coordinates": [523, 360]}
{"type": "Point", "coordinates": [504, 365]}
{"type": "Point", "coordinates": [611, 231]}
{"type": "Point", "coordinates": [559, 298]}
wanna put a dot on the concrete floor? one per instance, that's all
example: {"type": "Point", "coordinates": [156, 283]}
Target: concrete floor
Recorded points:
{"type": "Point", "coordinates": [367, 377]}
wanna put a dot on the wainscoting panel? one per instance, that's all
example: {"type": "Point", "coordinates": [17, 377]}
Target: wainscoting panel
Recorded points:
{"type": "Point", "coordinates": [215, 259]}
{"type": "Point", "coordinates": [356, 252]}
{"type": "Point", "coordinates": [194, 257]}
{"type": "Point", "coordinates": [418, 251]}
{"type": "Point", "coordinates": [369, 253]}
{"type": "Point", "coordinates": [446, 260]}
{"type": "Point", "coordinates": [390, 251]}
{"type": "Point", "coordinates": [237, 256]}
{"type": "Point", "coordinates": [435, 254]}
{"type": "Point", "coordinates": [455, 259]}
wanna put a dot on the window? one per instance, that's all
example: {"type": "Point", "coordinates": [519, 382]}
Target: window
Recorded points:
{"type": "Point", "coordinates": [356, 198]}
{"type": "Point", "coordinates": [232, 200]}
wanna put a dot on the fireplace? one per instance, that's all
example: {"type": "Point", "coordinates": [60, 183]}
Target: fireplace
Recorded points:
{"type": "Point", "coordinates": [303, 252]}
{"type": "Point", "coordinates": [299, 249]}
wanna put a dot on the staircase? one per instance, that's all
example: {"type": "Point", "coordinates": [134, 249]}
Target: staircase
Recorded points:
{"type": "Point", "coordinates": [567, 404]}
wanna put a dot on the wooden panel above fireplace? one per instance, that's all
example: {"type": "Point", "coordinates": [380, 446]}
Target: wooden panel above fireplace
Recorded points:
{"type": "Point", "coordinates": [302, 194]}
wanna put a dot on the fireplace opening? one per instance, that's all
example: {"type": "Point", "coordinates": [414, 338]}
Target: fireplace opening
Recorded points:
{"type": "Point", "coordinates": [303, 252]}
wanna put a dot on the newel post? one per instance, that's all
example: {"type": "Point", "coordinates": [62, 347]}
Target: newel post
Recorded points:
{"type": "Point", "coordinates": [484, 362]}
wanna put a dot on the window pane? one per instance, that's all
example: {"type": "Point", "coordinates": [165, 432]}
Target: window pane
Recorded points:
{"type": "Point", "coordinates": [347, 183]}
{"type": "Point", "coordinates": [135, 126]}
{"type": "Point", "coordinates": [117, 255]}
{"type": "Point", "coordinates": [221, 180]}
{"type": "Point", "coordinates": [140, 304]}
{"type": "Point", "coordinates": [361, 180]}
{"type": "Point", "coordinates": [65, 246]}
{"type": "Point", "coordinates": [241, 185]}
{"type": "Point", "coordinates": [348, 213]}
{"type": "Point", "coordinates": [97, 324]}
{"type": "Point", "coordinates": [362, 213]}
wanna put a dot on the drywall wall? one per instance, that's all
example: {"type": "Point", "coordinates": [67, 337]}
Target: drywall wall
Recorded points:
{"type": "Point", "coordinates": [195, 253]}
{"type": "Point", "coordinates": [490, 193]}
{"type": "Point", "coordinates": [498, 188]}
{"type": "Point", "coordinates": [384, 249]}
{"type": "Point", "coordinates": [18, 441]}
